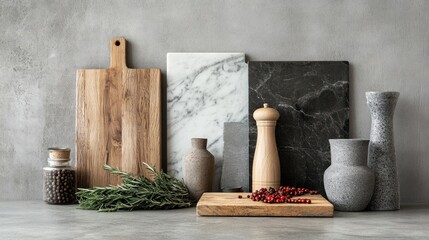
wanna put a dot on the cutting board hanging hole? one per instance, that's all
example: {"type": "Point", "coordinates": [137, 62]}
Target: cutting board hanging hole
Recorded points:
{"type": "Point", "coordinates": [118, 53]}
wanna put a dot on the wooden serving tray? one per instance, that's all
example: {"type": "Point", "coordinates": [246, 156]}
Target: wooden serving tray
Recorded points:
{"type": "Point", "coordinates": [228, 204]}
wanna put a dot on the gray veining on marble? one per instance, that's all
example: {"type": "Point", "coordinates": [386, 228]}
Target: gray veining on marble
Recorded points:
{"type": "Point", "coordinates": [204, 90]}
{"type": "Point", "coordinates": [313, 100]}
{"type": "Point", "coordinates": [36, 220]}
{"type": "Point", "coordinates": [381, 153]}
{"type": "Point", "coordinates": [235, 168]}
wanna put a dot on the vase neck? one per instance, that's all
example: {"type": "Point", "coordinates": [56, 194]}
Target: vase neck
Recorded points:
{"type": "Point", "coordinates": [350, 152]}
{"type": "Point", "coordinates": [382, 105]}
{"type": "Point", "coordinates": [199, 143]}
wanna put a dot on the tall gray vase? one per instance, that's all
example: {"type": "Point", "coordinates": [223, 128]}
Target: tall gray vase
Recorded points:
{"type": "Point", "coordinates": [349, 183]}
{"type": "Point", "coordinates": [381, 156]}
{"type": "Point", "coordinates": [198, 169]}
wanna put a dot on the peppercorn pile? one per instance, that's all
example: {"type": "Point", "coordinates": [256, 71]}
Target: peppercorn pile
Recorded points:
{"type": "Point", "coordinates": [59, 186]}
{"type": "Point", "coordinates": [281, 195]}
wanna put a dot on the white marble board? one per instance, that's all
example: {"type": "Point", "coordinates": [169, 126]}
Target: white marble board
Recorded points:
{"type": "Point", "coordinates": [204, 90]}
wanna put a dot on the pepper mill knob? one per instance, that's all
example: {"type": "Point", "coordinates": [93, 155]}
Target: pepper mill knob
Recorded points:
{"type": "Point", "coordinates": [266, 114]}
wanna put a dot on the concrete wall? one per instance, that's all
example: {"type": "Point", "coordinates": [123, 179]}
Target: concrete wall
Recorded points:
{"type": "Point", "coordinates": [42, 43]}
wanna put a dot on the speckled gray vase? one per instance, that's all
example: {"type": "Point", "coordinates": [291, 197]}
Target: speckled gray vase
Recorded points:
{"type": "Point", "coordinates": [198, 169]}
{"type": "Point", "coordinates": [349, 183]}
{"type": "Point", "coordinates": [381, 155]}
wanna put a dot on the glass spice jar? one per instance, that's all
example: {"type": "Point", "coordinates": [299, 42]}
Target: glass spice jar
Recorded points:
{"type": "Point", "coordinates": [59, 180]}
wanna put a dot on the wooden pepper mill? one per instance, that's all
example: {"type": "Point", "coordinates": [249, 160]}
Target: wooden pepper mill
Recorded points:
{"type": "Point", "coordinates": [266, 163]}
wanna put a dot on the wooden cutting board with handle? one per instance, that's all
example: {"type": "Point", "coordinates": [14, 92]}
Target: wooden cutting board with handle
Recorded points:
{"type": "Point", "coordinates": [118, 119]}
{"type": "Point", "coordinates": [228, 204]}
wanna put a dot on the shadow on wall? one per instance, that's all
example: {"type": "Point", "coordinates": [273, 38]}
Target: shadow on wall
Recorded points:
{"type": "Point", "coordinates": [407, 159]}
{"type": "Point", "coordinates": [164, 121]}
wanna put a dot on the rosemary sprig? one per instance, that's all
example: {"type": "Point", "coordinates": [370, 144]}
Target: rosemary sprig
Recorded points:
{"type": "Point", "coordinates": [164, 192]}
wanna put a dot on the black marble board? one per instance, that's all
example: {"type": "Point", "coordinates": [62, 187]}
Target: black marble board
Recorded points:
{"type": "Point", "coordinates": [313, 101]}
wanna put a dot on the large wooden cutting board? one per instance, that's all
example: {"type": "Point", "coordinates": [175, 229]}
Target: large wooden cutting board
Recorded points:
{"type": "Point", "coordinates": [118, 119]}
{"type": "Point", "coordinates": [228, 204]}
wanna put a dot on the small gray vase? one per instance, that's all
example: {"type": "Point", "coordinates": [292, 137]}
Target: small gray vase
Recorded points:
{"type": "Point", "coordinates": [198, 169]}
{"type": "Point", "coordinates": [349, 183]}
{"type": "Point", "coordinates": [381, 155]}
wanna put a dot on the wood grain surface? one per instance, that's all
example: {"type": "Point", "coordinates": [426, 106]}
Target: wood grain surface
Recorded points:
{"type": "Point", "coordinates": [266, 163]}
{"type": "Point", "coordinates": [118, 119]}
{"type": "Point", "coordinates": [228, 204]}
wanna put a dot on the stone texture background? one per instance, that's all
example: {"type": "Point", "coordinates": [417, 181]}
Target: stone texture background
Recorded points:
{"type": "Point", "coordinates": [44, 42]}
{"type": "Point", "coordinates": [313, 101]}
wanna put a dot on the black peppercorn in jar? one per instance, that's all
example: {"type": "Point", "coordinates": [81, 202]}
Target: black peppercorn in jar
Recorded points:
{"type": "Point", "coordinates": [59, 182]}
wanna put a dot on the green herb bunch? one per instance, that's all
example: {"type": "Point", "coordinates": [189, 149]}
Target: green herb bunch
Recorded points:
{"type": "Point", "coordinates": [164, 192]}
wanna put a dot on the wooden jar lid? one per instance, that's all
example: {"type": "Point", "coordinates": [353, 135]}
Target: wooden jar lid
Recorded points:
{"type": "Point", "coordinates": [59, 153]}
{"type": "Point", "coordinates": [266, 114]}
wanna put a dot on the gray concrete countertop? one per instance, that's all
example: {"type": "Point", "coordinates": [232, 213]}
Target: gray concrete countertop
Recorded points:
{"type": "Point", "coordinates": [37, 220]}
